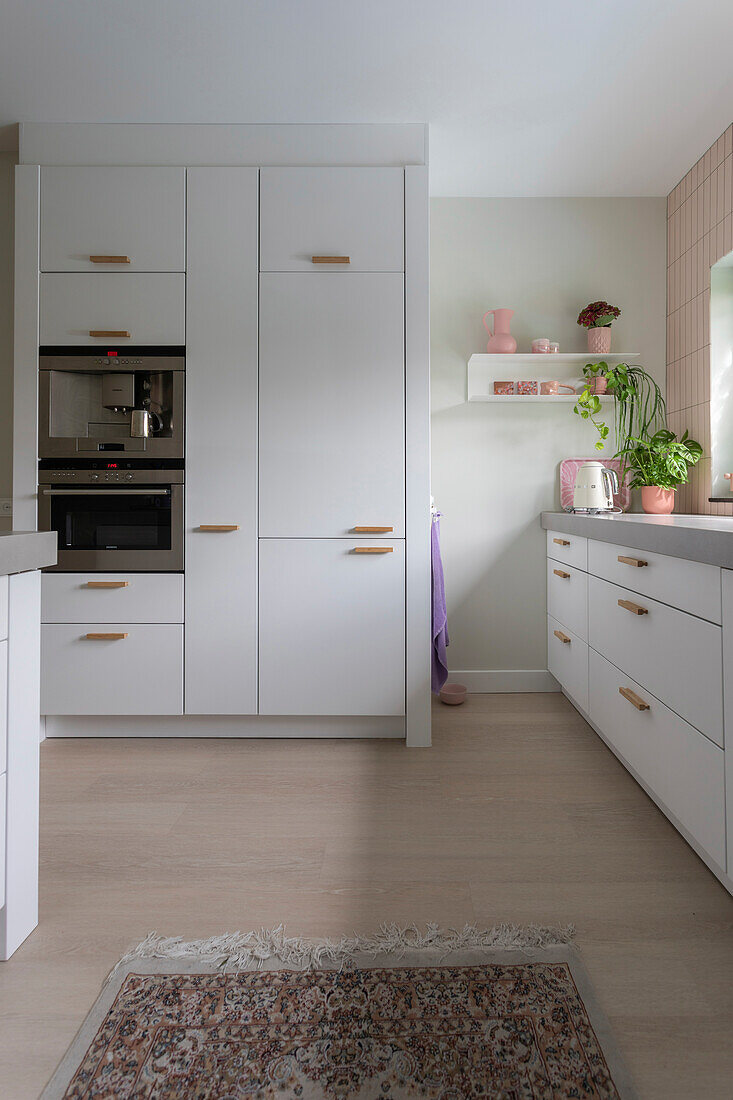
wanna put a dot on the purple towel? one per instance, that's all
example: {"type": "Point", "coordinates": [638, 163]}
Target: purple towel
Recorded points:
{"type": "Point", "coordinates": [439, 663]}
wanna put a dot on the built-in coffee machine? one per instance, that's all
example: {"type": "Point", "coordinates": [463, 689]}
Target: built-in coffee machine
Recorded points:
{"type": "Point", "coordinates": [127, 402]}
{"type": "Point", "coordinates": [111, 457]}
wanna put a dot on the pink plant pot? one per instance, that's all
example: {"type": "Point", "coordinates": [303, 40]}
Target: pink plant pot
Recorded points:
{"type": "Point", "coordinates": [453, 694]}
{"type": "Point", "coordinates": [599, 340]}
{"type": "Point", "coordinates": [597, 384]}
{"type": "Point", "coordinates": [656, 501]}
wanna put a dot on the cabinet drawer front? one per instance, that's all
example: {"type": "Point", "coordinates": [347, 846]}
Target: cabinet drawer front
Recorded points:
{"type": "Point", "coordinates": [676, 656]}
{"type": "Point", "coordinates": [112, 598]}
{"type": "Point", "coordinates": [3, 706]}
{"type": "Point", "coordinates": [683, 768]}
{"type": "Point", "coordinates": [688, 585]}
{"type": "Point", "coordinates": [3, 607]}
{"type": "Point", "coordinates": [332, 214]}
{"type": "Point", "coordinates": [151, 308]}
{"type": "Point", "coordinates": [567, 597]}
{"type": "Point", "coordinates": [572, 549]}
{"type": "Point", "coordinates": [120, 213]}
{"type": "Point", "coordinates": [332, 627]}
{"type": "Point", "coordinates": [3, 817]}
{"type": "Point", "coordinates": [331, 405]}
{"type": "Point", "coordinates": [567, 660]}
{"type": "Point", "coordinates": [141, 673]}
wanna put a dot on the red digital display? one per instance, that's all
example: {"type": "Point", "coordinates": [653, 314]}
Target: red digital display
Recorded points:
{"type": "Point", "coordinates": [112, 353]}
{"type": "Point", "coordinates": [111, 465]}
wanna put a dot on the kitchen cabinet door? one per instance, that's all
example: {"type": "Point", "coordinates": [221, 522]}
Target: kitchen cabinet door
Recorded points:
{"type": "Point", "coordinates": [221, 442]}
{"type": "Point", "coordinates": [316, 219]}
{"type": "Point", "coordinates": [332, 627]}
{"type": "Point", "coordinates": [332, 405]}
{"type": "Point", "coordinates": [127, 310]}
{"type": "Point", "coordinates": [133, 217]}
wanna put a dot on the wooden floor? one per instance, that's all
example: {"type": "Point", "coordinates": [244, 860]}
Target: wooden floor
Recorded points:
{"type": "Point", "coordinates": [518, 813]}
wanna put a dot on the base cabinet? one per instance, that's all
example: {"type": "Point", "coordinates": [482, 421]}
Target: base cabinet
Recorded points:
{"type": "Point", "coordinates": [681, 766]}
{"type": "Point", "coordinates": [112, 668]}
{"type": "Point", "coordinates": [332, 627]}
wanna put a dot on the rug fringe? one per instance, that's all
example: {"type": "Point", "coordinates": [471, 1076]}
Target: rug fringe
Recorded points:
{"type": "Point", "coordinates": [239, 950]}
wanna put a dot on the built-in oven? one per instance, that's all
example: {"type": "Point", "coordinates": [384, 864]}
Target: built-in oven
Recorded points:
{"type": "Point", "coordinates": [113, 515]}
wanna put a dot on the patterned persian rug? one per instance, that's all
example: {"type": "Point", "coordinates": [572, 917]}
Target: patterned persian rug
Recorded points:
{"type": "Point", "coordinates": [230, 1019]}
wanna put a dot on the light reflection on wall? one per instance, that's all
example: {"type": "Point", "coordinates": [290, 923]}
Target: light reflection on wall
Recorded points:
{"type": "Point", "coordinates": [721, 374]}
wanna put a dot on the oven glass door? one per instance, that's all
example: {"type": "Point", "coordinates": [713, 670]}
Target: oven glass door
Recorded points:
{"type": "Point", "coordinates": [108, 528]}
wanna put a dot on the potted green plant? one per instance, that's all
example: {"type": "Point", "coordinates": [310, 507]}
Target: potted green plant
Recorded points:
{"type": "Point", "coordinates": [597, 317]}
{"type": "Point", "coordinates": [658, 465]}
{"type": "Point", "coordinates": [639, 407]}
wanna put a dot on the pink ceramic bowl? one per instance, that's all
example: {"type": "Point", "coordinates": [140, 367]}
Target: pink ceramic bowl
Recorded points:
{"type": "Point", "coordinates": [453, 694]}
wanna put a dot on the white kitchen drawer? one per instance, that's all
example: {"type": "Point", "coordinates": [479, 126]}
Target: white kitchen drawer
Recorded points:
{"type": "Point", "coordinates": [572, 549]}
{"type": "Point", "coordinates": [567, 597]}
{"type": "Point", "coordinates": [689, 585]}
{"type": "Point", "coordinates": [139, 674]}
{"type": "Point", "coordinates": [567, 660]}
{"type": "Point", "coordinates": [3, 607]}
{"type": "Point", "coordinates": [112, 598]}
{"type": "Point", "coordinates": [683, 768]}
{"type": "Point", "coordinates": [332, 212]}
{"type": "Point", "coordinates": [3, 705]}
{"type": "Point", "coordinates": [151, 308]}
{"type": "Point", "coordinates": [676, 656]}
{"type": "Point", "coordinates": [331, 405]}
{"type": "Point", "coordinates": [138, 213]}
{"type": "Point", "coordinates": [332, 627]}
{"type": "Point", "coordinates": [3, 816]}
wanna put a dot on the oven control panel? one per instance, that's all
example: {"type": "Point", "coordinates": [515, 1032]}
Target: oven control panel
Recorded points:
{"type": "Point", "coordinates": [108, 473]}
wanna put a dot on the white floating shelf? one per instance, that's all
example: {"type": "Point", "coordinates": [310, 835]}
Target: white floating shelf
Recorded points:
{"type": "Point", "coordinates": [527, 399]}
{"type": "Point", "coordinates": [484, 369]}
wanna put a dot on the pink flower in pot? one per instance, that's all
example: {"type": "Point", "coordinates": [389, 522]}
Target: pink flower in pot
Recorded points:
{"type": "Point", "coordinates": [597, 318]}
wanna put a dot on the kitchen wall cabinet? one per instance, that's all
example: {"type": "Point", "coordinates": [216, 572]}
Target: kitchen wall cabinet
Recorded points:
{"type": "Point", "coordinates": [353, 216]}
{"type": "Point", "coordinates": [123, 214]}
{"type": "Point", "coordinates": [131, 309]}
{"type": "Point", "coordinates": [332, 404]}
{"type": "Point", "coordinates": [221, 442]}
{"type": "Point", "coordinates": [332, 626]}
{"type": "Point", "coordinates": [307, 413]}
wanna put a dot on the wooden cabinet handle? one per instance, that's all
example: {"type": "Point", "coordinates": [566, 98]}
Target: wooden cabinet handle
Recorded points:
{"type": "Point", "coordinates": [559, 634]}
{"type": "Point", "coordinates": [562, 574]}
{"type": "Point", "coordinates": [219, 527]}
{"type": "Point", "coordinates": [110, 259]}
{"type": "Point", "coordinates": [562, 542]}
{"type": "Point", "coordinates": [107, 584]}
{"type": "Point", "coordinates": [373, 549]}
{"type": "Point", "coordinates": [112, 637]}
{"type": "Point", "coordinates": [634, 608]}
{"type": "Point", "coordinates": [638, 562]}
{"type": "Point", "coordinates": [633, 698]}
{"type": "Point", "coordinates": [372, 530]}
{"type": "Point", "coordinates": [330, 259]}
{"type": "Point", "coordinates": [112, 334]}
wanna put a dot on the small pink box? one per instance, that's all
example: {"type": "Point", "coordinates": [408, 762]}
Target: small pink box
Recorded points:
{"type": "Point", "coordinates": [527, 388]}
{"type": "Point", "coordinates": [505, 389]}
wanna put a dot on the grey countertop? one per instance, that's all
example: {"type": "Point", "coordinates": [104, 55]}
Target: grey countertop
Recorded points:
{"type": "Point", "coordinates": [707, 539]}
{"type": "Point", "coordinates": [21, 551]}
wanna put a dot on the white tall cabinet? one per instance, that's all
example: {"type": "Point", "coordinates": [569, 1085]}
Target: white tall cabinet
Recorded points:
{"type": "Point", "coordinates": [300, 292]}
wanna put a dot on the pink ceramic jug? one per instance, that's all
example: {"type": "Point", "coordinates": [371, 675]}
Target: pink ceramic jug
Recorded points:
{"type": "Point", "coordinates": [501, 341]}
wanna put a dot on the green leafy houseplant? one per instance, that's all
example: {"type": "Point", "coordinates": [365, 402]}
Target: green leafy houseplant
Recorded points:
{"type": "Point", "coordinates": [661, 460]}
{"type": "Point", "coordinates": [639, 407]}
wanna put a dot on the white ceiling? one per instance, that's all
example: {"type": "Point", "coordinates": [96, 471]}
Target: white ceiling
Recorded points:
{"type": "Point", "coordinates": [530, 97]}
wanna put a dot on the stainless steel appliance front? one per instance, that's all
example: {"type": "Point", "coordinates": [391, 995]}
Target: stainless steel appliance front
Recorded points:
{"type": "Point", "coordinates": [113, 516]}
{"type": "Point", "coordinates": [92, 402]}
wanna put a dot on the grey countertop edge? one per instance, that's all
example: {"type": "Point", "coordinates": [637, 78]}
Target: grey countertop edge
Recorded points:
{"type": "Point", "coordinates": [711, 545]}
{"type": "Point", "coordinates": [23, 551]}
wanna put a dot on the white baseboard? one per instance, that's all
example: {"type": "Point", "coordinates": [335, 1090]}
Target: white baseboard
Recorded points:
{"type": "Point", "coordinates": [220, 725]}
{"type": "Point", "coordinates": [498, 680]}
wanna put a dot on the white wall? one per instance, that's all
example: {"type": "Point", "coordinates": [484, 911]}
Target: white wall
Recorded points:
{"type": "Point", "coordinates": [7, 169]}
{"type": "Point", "coordinates": [494, 468]}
